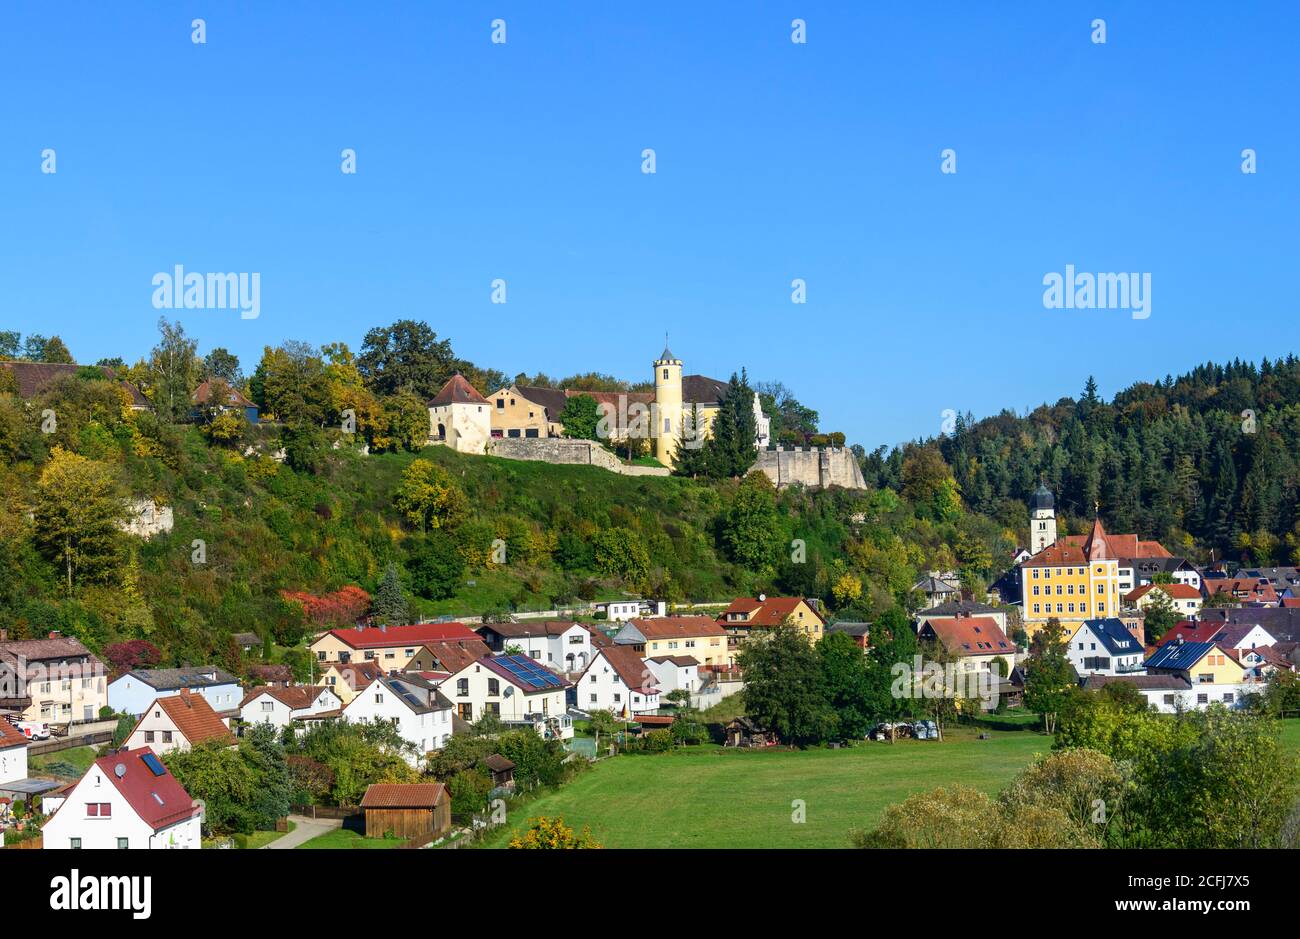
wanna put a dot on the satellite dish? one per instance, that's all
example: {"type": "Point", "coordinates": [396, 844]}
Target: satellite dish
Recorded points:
{"type": "Point", "coordinates": [509, 691]}
{"type": "Point", "coordinates": [119, 770]}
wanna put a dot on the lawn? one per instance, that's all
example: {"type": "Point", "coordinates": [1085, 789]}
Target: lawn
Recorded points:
{"type": "Point", "coordinates": [346, 838]}
{"type": "Point", "coordinates": [65, 764]}
{"type": "Point", "coordinates": [717, 798]}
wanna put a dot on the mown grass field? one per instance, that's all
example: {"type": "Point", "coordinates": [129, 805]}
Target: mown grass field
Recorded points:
{"type": "Point", "coordinates": [345, 838]}
{"type": "Point", "coordinates": [716, 798]}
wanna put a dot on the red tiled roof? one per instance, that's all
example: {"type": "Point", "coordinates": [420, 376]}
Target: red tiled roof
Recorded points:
{"type": "Point", "coordinates": [457, 391]}
{"type": "Point", "coordinates": [453, 656]}
{"type": "Point", "coordinates": [10, 736]}
{"type": "Point", "coordinates": [1245, 589]}
{"type": "Point", "coordinates": [193, 717]}
{"type": "Point", "coordinates": [677, 627]}
{"type": "Point", "coordinates": [204, 392]}
{"type": "Point", "coordinates": [295, 697]}
{"type": "Point", "coordinates": [1190, 632]}
{"type": "Point", "coordinates": [1175, 592]}
{"type": "Point", "coordinates": [970, 635]}
{"type": "Point", "coordinates": [160, 801]}
{"type": "Point", "coordinates": [416, 634]}
{"type": "Point", "coordinates": [771, 612]}
{"type": "Point", "coordinates": [403, 796]}
{"type": "Point", "coordinates": [1108, 546]}
{"type": "Point", "coordinates": [630, 667]}
{"type": "Point", "coordinates": [356, 675]}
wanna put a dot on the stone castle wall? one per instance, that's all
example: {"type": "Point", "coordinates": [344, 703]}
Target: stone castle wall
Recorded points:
{"type": "Point", "coordinates": [816, 468]}
{"type": "Point", "coordinates": [562, 450]}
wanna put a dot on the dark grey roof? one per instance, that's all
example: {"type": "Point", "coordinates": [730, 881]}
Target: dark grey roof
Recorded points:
{"type": "Point", "coordinates": [171, 679]}
{"type": "Point", "coordinates": [1148, 682]}
{"type": "Point", "coordinates": [1280, 577]}
{"type": "Point", "coordinates": [1114, 635]}
{"type": "Point", "coordinates": [1282, 623]}
{"type": "Point", "coordinates": [698, 389]}
{"type": "Point", "coordinates": [419, 695]}
{"type": "Point", "coordinates": [1155, 565]}
{"type": "Point", "coordinates": [1042, 498]}
{"type": "Point", "coordinates": [955, 607]}
{"type": "Point", "coordinates": [934, 585]}
{"type": "Point", "coordinates": [851, 628]}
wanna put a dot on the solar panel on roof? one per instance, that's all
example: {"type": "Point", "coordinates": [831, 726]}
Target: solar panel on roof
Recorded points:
{"type": "Point", "coordinates": [154, 764]}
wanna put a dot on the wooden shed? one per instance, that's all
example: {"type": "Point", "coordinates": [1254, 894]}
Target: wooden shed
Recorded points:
{"type": "Point", "coordinates": [502, 770]}
{"type": "Point", "coordinates": [408, 810]}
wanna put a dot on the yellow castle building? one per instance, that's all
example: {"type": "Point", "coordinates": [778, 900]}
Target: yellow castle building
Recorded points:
{"type": "Point", "coordinates": [1072, 582]}
{"type": "Point", "coordinates": [527, 411]}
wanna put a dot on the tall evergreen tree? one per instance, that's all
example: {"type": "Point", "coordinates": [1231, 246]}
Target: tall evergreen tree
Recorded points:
{"type": "Point", "coordinates": [389, 606]}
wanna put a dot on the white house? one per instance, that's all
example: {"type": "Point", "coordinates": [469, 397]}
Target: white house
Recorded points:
{"type": "Point", "coordinates": [13, 753]}
{"type": "Point", "coordinates": [1105, 647]}
{"type": "Point", "coordinates": [127, 799]}
{"type": "Point", "coordinates": [460, 417]}
{"type": "Point", "coordinates": [179, 722]}
{"type": "Point", "coordinates": [421, 714]}
{"type": "Point", "coordinates": [134, 691]}
{"type": "Point", "coordinates": [620, 611]}
{"type": "Point", "coordinates": [620, 681]}
{"type": "Point", "coordinates": [515, 688]}
{"type": "Point", "coordinates": [558, 644]}
{"type": "Point", "coordinates": [675, 672]}
{"type": "Point", "coordinates": [1184, 598]}
{"type": "Point", "coordinates": [279, 706]}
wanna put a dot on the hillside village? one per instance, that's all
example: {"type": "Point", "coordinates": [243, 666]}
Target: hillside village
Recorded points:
{"type": "Point", "coordinates": [644, 669]}
{"type": "Point", "coordinates": [248, 616]}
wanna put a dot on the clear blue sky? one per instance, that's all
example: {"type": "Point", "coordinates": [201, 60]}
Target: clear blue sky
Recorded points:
{"type": "Point", "coordinates": [775, 161]}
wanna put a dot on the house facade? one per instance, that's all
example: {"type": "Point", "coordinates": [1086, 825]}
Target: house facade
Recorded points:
{"type": "Point", "coordinates": [13, 753]}
{"type": "Point", "coordinates": [620, 681]}
{"type": "Point", "coordinates": [413, 705]}
{"type": "Point", "coordinates": [134, 691]}
{"type": "Point", "coordinates": [675, 673]}
{"type": "Point", "coordinates": [127, 799]}
{"type": "Point", "coordinates": [558, 644]}
{"type": "Point", "coordinates": [700, 637]}
{"type": "Point", "coordinates": [746, 614]}
{"type": "Point", "coordinates": [514, 688]}
{"type": "Point", "coordinates": [392, 647]}
{"type": "Point", "coordinates": [1105, 647]}
{"type": "Point", "coordinates": [1184, 598]}
{"type": "Point", "coordinates": [56, 680]}
{"type": "Point", "coordinates": [179, 722]}
{"type": "Point", "coordinates": [279, 706]}
{"type": "Point", "coordinates": [460, 417]}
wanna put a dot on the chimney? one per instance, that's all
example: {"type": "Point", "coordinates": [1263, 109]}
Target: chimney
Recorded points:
{"type": "Point", "coordinates": [4, 634]}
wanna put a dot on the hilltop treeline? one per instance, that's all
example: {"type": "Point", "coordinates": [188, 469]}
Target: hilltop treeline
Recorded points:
{"type": "Point", "coordinates": [1207, 462]}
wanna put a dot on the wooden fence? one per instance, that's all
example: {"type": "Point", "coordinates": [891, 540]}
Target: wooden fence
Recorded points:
{"type": "Point", "coordinates": [342, 812]}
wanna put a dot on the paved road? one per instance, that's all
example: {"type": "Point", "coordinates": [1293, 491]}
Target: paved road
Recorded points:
{"type": "Point", "coordinates": [305, 830]}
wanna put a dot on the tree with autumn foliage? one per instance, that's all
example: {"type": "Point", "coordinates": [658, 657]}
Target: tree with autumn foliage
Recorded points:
{"type": "Point", "coordinates": [340, 608]}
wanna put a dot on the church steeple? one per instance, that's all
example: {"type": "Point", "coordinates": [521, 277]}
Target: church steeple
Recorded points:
{"type": "Point", "coordinates": [1042, 519]}
{"type": "Point", "coordinates": [1096, 547]}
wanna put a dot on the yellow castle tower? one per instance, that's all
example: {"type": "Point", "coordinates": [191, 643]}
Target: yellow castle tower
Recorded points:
{"type": "Point", "coordinates": [668, 405]}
